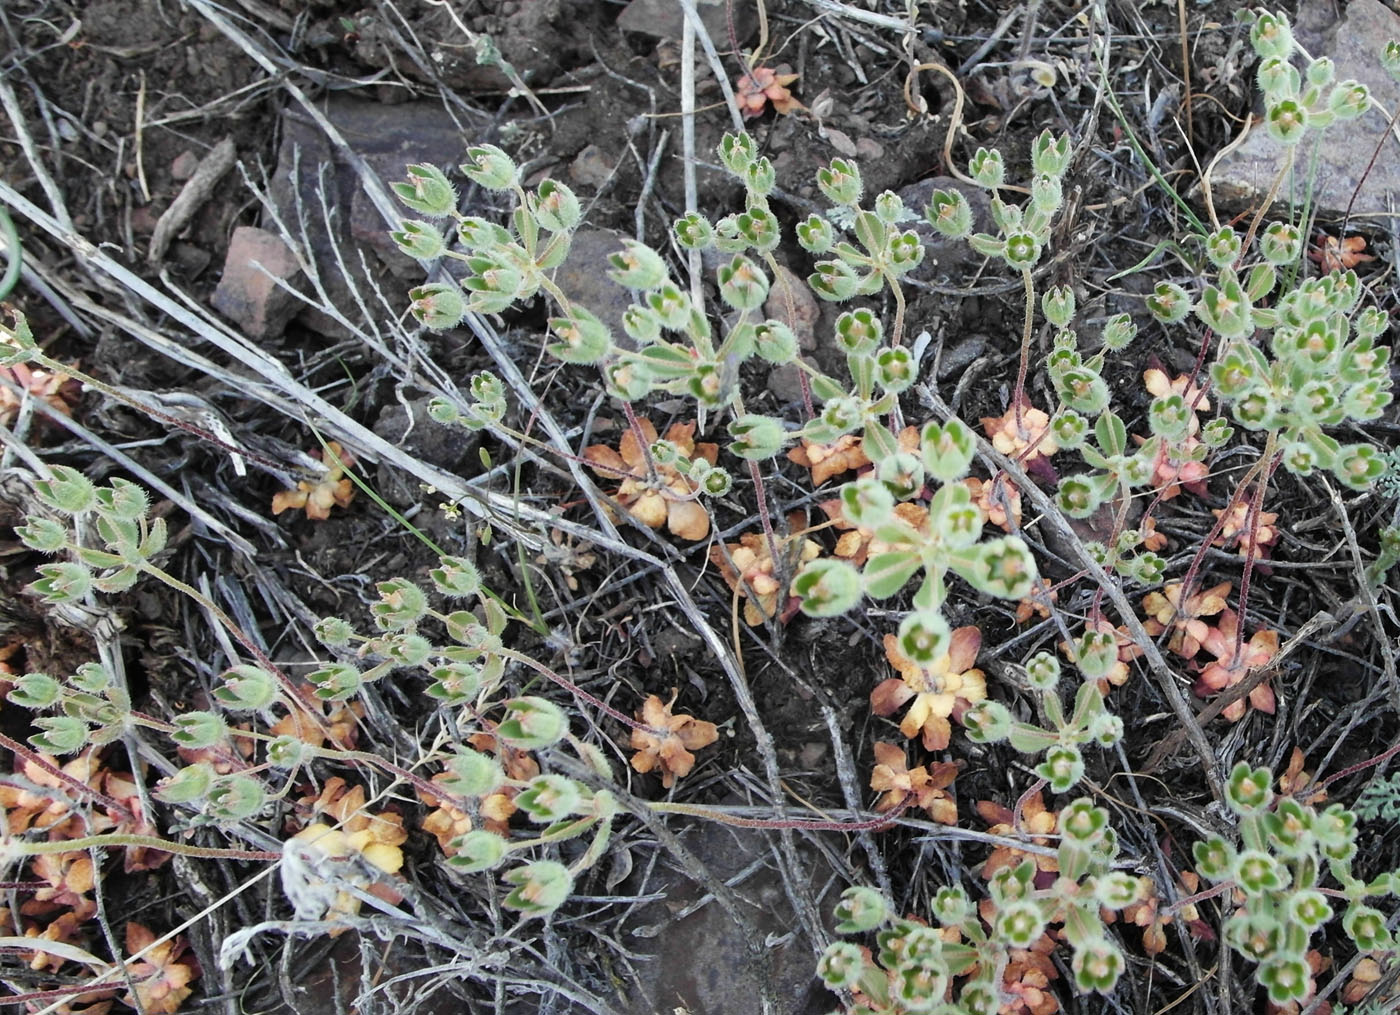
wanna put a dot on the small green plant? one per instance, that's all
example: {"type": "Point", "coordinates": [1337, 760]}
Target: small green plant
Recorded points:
{"type": "Point", "coordinates": [463, 672]}
{"type": "Point", "coordinates": [1380, 800]}
{"type": "Point", "coordinates": [1089, 721]}
{"type": "Point", "coordinates": [675, 351]}
{"type": "Point", "coordinates": [1276, 868]}
{"type": "Point", "coordinates": [1298, 362]}
{"type": "Point", "coordinates": [954, 962]}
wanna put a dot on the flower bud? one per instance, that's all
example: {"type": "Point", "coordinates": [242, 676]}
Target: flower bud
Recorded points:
{"type": "Point", "coordinates": [949, 213]}
{"type": "Point", "coordinates": [418, 240]}
{"type": "Point", "coordinates": [438, 305]}
{"type": "Point", "coordinates": [987, 168]}
{"type": "Point", "coordinates": [477, 850]}
{"type": "Point", "coordinates": [533, 724]}
{"type": "Point", "coordinates": [540, 887]}
{"type": "Point", "coordinates": [199, 729]}
{"type": "Point", "coordinates": [246, 689]}
{"type": "Point", "coordinates": [427, 191]}
{"type": "Point", "coordinates": [556, 207]}
{"type": "Point", "coordinates": [187, 785]}
{"type": "Point", "coordinates": [489, 167]}
{"type": "Point", "coordinates": [637, 266]}
{"type": "Point", "coordinates": [583, 339]}
{"type": "Point", "coordinates": [840, 182]}
{"type": "Point", "coordinates": [756, 437]}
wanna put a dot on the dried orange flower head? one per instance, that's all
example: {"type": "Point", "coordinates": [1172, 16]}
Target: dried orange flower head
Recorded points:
{"type": "Point", "coordinates": [756, 576]}
{"type": "Point", "coordinates": [1167, 610]}
{"type": "Point", "coordinates": [1039, 603]}
{"type": "Point", "coordinates": [59, 391]}
{"type": "Point", "coordinates": [944, 689]}
{"type": "Point", "coordinates": [333, 489]}
{"type": "Point", "coordinates": [161, 978]}
{"type": "Point", "coordinates": [666, 745]}
{"type": "Point", "coordinates": [1174, 468]}
{"type": "Point", "coordinates": [763, 85]}
{"type": "Point", "coordinates": [376, 837]}
{"type": "Point", "coordinates": [1035, 820]}
{"type": "Point", "coordinates": [1157, 383]}
{"type": "Point", "coordinates": [1230, 667]}
{"type": "Point", "coordinates": [1236, 527]}
{"type": "Point", "coordinates": [1334, 254]}
{"type": "Point", "coordinates": [998, 501]}
{"type": "Point", "coordinates": [826, 460]}
{"type": "Point", "coordinates": [1021, 432]}
{"type": "Point", "coordinates": [926, 784]}
{"type": "Point", "coordinates": [650, 492]}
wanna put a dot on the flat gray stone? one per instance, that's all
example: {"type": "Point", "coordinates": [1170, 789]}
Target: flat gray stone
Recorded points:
{"type": "Point", "coordinates": [592, 167]}
{"type": "Point", "coordinates": [584, 280]}
{"type": "Point", "coordinates": [1244, 176]}
{"type": "Point", "coordinates": [389, 138]}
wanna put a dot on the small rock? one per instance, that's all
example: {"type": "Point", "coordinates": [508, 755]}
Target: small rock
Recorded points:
{"type": "Point", "coordinates": [182, 167]}
{"type": "Point", "coordinates": [785, 383]}
{"type": "Point", "coordinates": [584, 281]}
{"type": "Point", "coordinates": [395, 137]}
{"type": "Point", "coordinates": [248, 296]}
{"type": "Point", "coordinates": [414, 432]}
{"type": "Point", "coordinates": [958, 356]}
{"type": "Point", "coordinates": [703, 962]}
{"type": "Point", "coordinates": [190, 260]}
{"type": "Point", "coordinates": [673, 642]}
{"type": "Point", "coordinates": [944, 256]}
{"type": "Point", "coordinates": [839, 140]}
{"type": "Point", "coordinates": [792, 302]}
{"type": "Point", "coordinates": [869, 148]}
{"type": "Point", "coordinates": [663, 19]}
{"type": "Point", "coordinates": [591, 168]}
{"type": "Point", "coordinates": [388, 138]}
{"type": "Point", "coordinates": [1243, 177]}
{"type": "Point", "coordinates": [143, 220]}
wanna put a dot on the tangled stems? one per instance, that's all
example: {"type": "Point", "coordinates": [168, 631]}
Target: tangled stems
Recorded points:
{"type": "Point", "coordinates": [790, 824]}
{"type": "Point", "coordinates": [38, 356]}
{"type": "Point", "coordinates": [11, 849]}
{"type": "Point", "coordinates": [1258, 474]}
{"type": "Point", "coordinates": [230, 625]}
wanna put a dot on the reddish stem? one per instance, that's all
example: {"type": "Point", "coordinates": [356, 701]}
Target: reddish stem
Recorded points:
{"type": "Point", "coordinates": [1201, 896]}
{"type": "Point", "coordinates": [62, 776]}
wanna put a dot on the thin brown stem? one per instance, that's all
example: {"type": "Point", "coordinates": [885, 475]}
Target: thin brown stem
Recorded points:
{"type": "Point", "coordinates": [764, 519]}
{"type": "Point", "coordinates": [20, 847]}
{"type": "Point", "coordinates": [1018, 399]}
